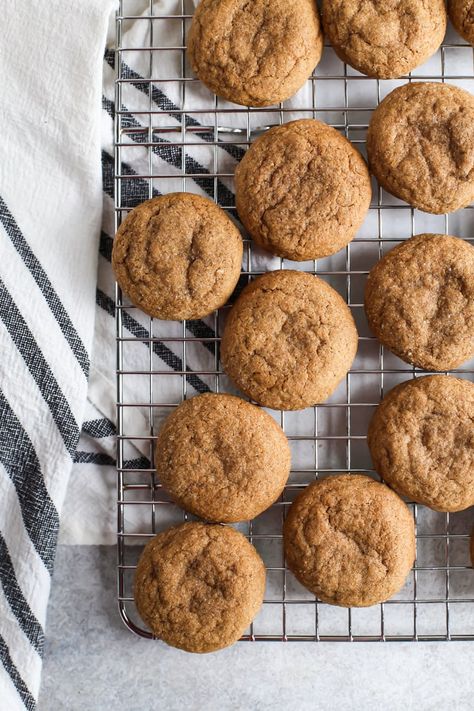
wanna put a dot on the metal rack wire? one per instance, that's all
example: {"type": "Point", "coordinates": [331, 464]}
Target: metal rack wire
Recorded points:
{"type": "Point", "coordinates": [192, 144]}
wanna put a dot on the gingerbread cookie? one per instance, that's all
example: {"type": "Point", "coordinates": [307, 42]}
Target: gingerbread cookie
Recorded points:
{"type": "Point", "coordinates": [420, 146]}
{"type": "Point", "coordinates": [255, 53]}
{"type": "Point", "coordinates": [199, 586]}
{"type": "Point", "coordinates": [177, 256]}
{"type": "Point", "coordinates": [222, 458]}
{"type": "Point", "coordinates": [419, 301]}
{"type": "Point", "coordinates": [421, 439]}
{"type": "Point", "coordinates": [350, 540]}
{"type": "Point", "coordinates": [289, 340]}
{"type": "Point", "coordinates": [384, 39]}
{"type": "Point", "coordinates": [302, 190]}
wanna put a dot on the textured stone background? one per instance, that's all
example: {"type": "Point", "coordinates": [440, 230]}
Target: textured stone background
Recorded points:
{"type": "Point", "coordinates": [93, 663]}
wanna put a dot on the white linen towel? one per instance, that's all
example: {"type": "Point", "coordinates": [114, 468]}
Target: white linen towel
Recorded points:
{"type": "Point", "coordinates": [50, 213]}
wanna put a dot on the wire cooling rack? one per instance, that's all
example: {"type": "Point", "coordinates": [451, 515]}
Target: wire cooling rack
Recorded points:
{"type": "Point", "coordinates": [172, 134]}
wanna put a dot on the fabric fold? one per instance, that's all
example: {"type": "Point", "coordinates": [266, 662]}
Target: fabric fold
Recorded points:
{"type": "Point", "coordinates": [50, 216]}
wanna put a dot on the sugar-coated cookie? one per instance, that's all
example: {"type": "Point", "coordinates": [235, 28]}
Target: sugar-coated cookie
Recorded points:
{"type": "Point", "coordinates": [384, 38]}
{"type": "Point", "coordinates": [302, 190]}
{"type": "Point", "coordinates": [420, 146]}
{"type": "Point", "coordinates": [421, 439]}
{"type": "Point", "coordinates": [255, 53]}
{"type": "Point", "coordinates": [222, 458]}
{"type": "Point", "coordinates": [198, 586]}
{"type": "Point", "coordinates": [461, 14]}
{"type": "Point", "coordinates": [350, 540]}
{"type": "Point", "coordinates": [289, 340]}
{"type": "Point", "coordinates": [419, 301]}
{"type": "Point", "coordinates": [177, 256]}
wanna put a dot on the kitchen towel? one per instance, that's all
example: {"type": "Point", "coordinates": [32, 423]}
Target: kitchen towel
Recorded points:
{"type": "Point", "coordinates": [50, 214]}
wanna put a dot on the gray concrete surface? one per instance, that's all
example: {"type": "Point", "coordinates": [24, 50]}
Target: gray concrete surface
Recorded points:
{"type": "Point", "coordinates": [92, 663]}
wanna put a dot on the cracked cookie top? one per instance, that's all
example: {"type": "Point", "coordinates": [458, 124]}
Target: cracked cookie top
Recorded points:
{"type": "Point", "coordinates": [177, 256]}
{"type": "Point", "coordinates": [384, 38]}
{"type": "Point", "coordinates": [461, 13]}
{"type": "Point", "coordinates": [255, 52]}
{"type": "Point", "coordinates": [419, 301]}
{"type": "Point", "coordinates": [350, 540]}
{"type": "Point", "coordinates": [288, 340]}
{"type": "Point", "coordinates": [420, 146]}
{"type": "Point", "coordinates": [199, 586]}
{"type": "Point", "coordinates": [302, 190]}
{"type": "Point", "coordinates": [222, 458]}
{"type": "Point", "coordinates": [421, 439]}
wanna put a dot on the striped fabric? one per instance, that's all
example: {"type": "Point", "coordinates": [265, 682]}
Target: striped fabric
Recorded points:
{"type": "Point", "coordinates": [89, 515]}
{"type": "Point", "coordinates": [50, 211]}
{"type": "Point", "coordinates": [53, 382]}
{"type": "Point", "coordinates": [51, 385]}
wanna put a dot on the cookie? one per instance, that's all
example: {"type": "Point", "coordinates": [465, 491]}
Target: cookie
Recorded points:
{"type": "Point", "coordinates": [199, 586]}
{"type": "Point", "coordinates": [289, 340]}
{"type": "Point", "coordinates": [302, 190]}
{"type": "Point", "coordinates": [350, 540]}
{"type": "Point", "coordinates": [384, 39]}
{"type": "Point", "coordinates": [421, 439]}
{"type": "Point", "coordinates": [419, 301]}
{"type": "Point", "coordinates": [222, 458]}
{"type": "Point", "coordinates": [420, 146]}
{"type": "Point", "coordinates": [461, 14]}
{"type": "Point", "coordinates": [255, 53]}
{"type": "Point", "coordinates": [177, 256]}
